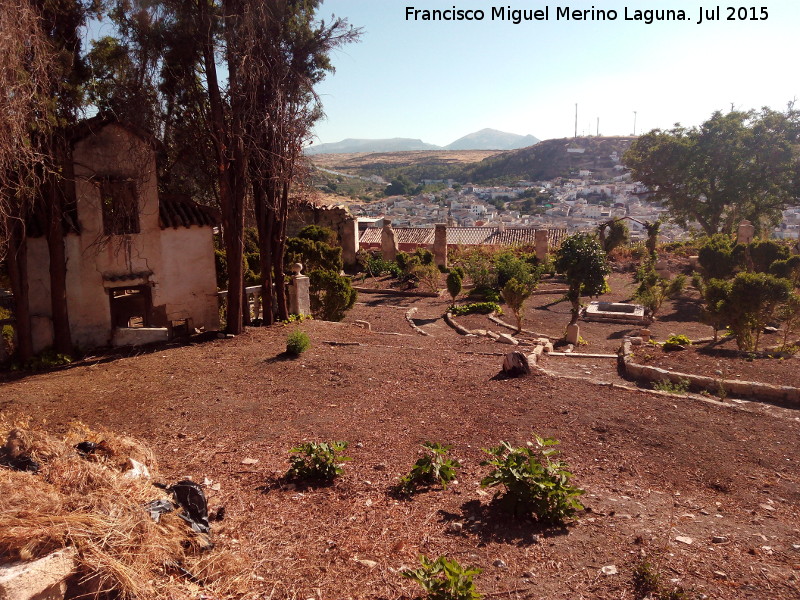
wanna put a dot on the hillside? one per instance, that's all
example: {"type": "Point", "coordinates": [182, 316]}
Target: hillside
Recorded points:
{"type": "Point", "coordinates": [494, 139]}
{"type": "Point", "coordinates": [550, 159]}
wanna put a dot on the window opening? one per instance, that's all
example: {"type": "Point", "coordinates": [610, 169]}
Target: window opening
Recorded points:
{"type": "Point", "coordinates": [130, 307]}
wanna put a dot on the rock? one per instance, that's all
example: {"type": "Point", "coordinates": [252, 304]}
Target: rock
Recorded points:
{"type": "Point", "coordinates": [42, 579]}
{"type": "Point", "coordinates": [719, 539]}
{"type": "Point", "coordinates": [769, 329]}
{"type": "Point", "coordinates": [500, 564]}
{"type": "Point", "coordinates": [249, 461]}
{"type": "Point", "coordinates": [528, 574]}
{"type": "Point", "coordinates": [767, 507]}
{"type": "Point", "coordinates": [505, 338]}
{"type": "Point", "coordinates": [370, 564]}
{"type": "Point", "coordinates": [455, 527]}
{"type": "Point", "coordinates": [516, 364]}
{"type": "Point", "coordinates": [684, 540]}
{"type": "Point", "coordinates": [720, 575]}
{"type": "Point", "coordinates": [609, 570]}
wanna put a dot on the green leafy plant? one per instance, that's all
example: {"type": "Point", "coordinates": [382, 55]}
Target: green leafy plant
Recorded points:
{"type": "Point", "coordinates": [582, 261]}
{"type": "Point", "coordinates": [674, 342]}
{"type": "Point", "coordinates": [331, 295]}
{"type": "Point", "coordinates": [533, 481]}
{"type": "Point", "coordinates": [445, 579]}
{"type": "Point", "coordinates": [454, 281]}
{"type": "Point", "coordinates": [647, 584]}
{"type": "Point", "coordinates": [317, 461]}
{"type": "Point", "coordinates": [515, 293]}
{"type": "Point", "coordinates": [672, 387]}
{"type": "Point", "coordinates": [297, 342]}
{"type": "Point", "coordinates": [432, 468]}
{"type": "Point", "coordinates": [482, 308]}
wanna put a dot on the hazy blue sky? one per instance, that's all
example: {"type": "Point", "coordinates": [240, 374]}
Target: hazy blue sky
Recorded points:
{"type": "Point", "coordinates": [440, 80]}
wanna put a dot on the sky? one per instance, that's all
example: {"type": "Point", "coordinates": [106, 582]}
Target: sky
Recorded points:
{"type": "Point", "coordinates": [440, 80]}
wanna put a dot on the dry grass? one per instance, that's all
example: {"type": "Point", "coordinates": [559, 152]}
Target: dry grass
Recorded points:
{"type": "Point", "coordinates": [93, 505]}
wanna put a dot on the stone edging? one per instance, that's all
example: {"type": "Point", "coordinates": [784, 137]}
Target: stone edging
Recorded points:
{"type": "Point", "coordinates": [403, 293]}
{"type": "Point", "coordinates": [748, 389]}
{"type": "Point", "coordinates": [495, 319]}
{"type": "Point", "coordinates": [414, 326]}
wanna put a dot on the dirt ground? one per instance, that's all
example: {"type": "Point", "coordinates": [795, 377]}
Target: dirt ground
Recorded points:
{"type": "Point", "coordinates": [707, 492]}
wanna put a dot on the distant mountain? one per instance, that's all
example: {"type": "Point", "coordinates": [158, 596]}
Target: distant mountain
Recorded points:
{"type": "Point", "coordinates": [492, 139]}
{"type": "Point", "coordinates": [351, 145]}
{"type": "Point", "coordinates": [485, 139]}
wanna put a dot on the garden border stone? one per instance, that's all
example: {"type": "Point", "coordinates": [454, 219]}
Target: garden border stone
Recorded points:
{"type": "Point", "coordinates": [749, 389]}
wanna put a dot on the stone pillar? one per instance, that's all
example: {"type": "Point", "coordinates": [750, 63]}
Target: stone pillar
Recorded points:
{"type": "Point", "coordinates": [349, 242]}
{"type": "Point", "coordinates": [388, 241]}
{"type": "Point", "coordinates": [541, 241]}
{"type": "Point", "coordinates": [745, 233]}
{"type": "Point", "coordinates": [573, 334]}
{"type": "Point", "coordinates": [299, 292]}
{"type": "Point", "coordinates": [440, 245]}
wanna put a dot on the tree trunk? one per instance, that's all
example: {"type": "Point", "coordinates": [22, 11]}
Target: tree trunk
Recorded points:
{"type": "Point", "coordinates": [17, 262]}
{"type": "Point", "coordinates": [54, 208]}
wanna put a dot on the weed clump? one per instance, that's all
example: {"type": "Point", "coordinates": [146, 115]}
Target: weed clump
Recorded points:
{"type": "Point", "coordinates": [297, 342]}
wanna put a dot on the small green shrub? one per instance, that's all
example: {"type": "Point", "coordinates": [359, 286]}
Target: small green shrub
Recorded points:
{"type": "Point", "coordinates": [453, 285]}
{"type": "Point", "coordinates": [331, 295]}
{"type": "Point", "coordinates": [647, 584]}
{"type": "Point", "coordinates": [482, 308]}
{"type": "Point", "coordinates": [673, 387]}
{"type": "Point", "coordinates": [297, 342]}
{"type": "Point", "coordinates": [434, 467]}
{"type": "Point", "coordinates": [534, 483]}
{"type": "Point", "coordinates": [317, 461]}
{"type": "Point", "coordinates": [674, 342]}
{"type": "Point", "coordinates": [484, 293]}
{"type": "Point", "coordinates": [445, 579]}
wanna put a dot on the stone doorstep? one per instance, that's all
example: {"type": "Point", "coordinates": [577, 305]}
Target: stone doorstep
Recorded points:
{"type": "Point", "coordinates": [42, 579]}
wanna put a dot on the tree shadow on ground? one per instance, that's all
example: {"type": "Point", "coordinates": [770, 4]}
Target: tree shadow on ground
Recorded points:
{"type": "Point", "coordinates": [684, 309]}
{"type": "Point", "coordinates": [282, 357]}
{"type": "Point", "coordinates": [494, 523]}
{"type": "Point", "coordinates": [618, 335]}
{"type": "Point", "coordinates": [421, 322]}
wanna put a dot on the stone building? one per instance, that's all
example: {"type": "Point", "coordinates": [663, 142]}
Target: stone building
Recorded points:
{"type": "Point", "coordinates": [139, 267]}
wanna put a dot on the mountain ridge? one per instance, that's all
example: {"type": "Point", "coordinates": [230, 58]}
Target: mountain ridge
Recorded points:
{"type": "Point", "coordinates": [485, 139]}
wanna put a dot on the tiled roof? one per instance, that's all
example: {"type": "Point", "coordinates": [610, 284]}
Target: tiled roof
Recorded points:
{"type": "Point", "coordinates": [181, 211]}
{"type": "Point", "coordinates": [467, 236]}
{"type": "Point", "coordinates": [402, 235]}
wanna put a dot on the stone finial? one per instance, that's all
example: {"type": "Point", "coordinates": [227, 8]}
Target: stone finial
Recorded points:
{"type": "Point", "coordinates": [745, 233]}
{"type": "Point", "coordinates": [296, 268]}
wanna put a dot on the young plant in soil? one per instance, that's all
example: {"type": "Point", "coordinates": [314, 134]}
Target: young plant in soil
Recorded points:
{"type": "Point", "coordinates": [435, 467]}
{"type": "Point", "coordinates": [317, 461]}
{"type": "Point", "coordinates": [445, 579]}
{"type": "Point", "coordinates": [534, 483]}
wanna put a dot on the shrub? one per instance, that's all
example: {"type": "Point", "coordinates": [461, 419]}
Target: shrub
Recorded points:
{"type": "Point", "coordinates": [534, 483]}
{"type": "Point", "coordinates": [316, 233]}
{"type": "Point", "coordinates": [426, 274]}
{"type": "Point", "coordinates": [647, 584]}
{"type": "Point", "coordinates": [765, 252]}
{"type": "Point", "coordinates": [331, 295]}
{"type": "Point", "coordinates": [673, 387]}
{"type": "Point", "coordinates": [453, 285]}
{"type": "Point", "coordinates": [582, 261]}
{"type": "Point", "coordinates": [717, 257]}
{"type": "Point", "coordinates": [751, 303]}
{"type": "Point", "coordinates": [297, 342]}
{"type": "Point", "coordinates": [317, 461]}
{"type": "Point", "coordinates": [314, 255]}
{"type": "Point", "coordinates": [482, 308]}
{"type": "Point", "coordinates": [654, 289]}
{"type": "Point", "coordinates": [515, 294]}
{"type": "Point", "coordinates": [509, 266]}
{"type": "Point", "coordinates": [616, 236]}
{"type": "Point", "coordinates": [445, 579]}
{"type": "Point", "coordinates": [673, 341]}
{"type": "Point", "coordinates": [432, 468]}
